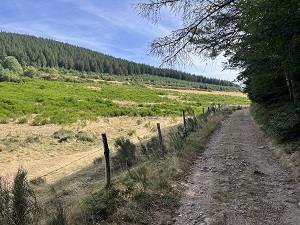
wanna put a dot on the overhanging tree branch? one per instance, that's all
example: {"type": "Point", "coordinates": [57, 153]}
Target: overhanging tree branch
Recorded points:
{"type": "Point", "coordinates": [204, 22]}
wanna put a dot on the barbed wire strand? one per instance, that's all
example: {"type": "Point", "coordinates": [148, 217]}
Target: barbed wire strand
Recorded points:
{"type": "Point", "coordinates": [85, 157]}
{"type": "Point", "coordinates": [69, 164]}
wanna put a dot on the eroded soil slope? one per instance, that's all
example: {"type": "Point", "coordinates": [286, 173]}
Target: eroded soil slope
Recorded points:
{"type": "Point", "coordinates": [238, 180]}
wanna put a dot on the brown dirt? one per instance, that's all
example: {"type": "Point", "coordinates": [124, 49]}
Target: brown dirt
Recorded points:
{"type": "Point", "coordinates": [239, 180]}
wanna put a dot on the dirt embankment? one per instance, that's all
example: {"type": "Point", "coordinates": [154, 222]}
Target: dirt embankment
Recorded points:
{"type": "Point", "coordinates": [238, 180]}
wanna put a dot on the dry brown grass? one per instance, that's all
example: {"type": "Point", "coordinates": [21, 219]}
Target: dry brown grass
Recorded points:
{"type": "Point", "coordinates": [35, 148]}
{"type": "Point", "coordinates": [238, 94]}
{"type": "Point", "coordinates": [290, 159]}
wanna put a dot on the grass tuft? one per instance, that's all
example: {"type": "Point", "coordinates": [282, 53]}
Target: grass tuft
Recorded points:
{"type": "Point", "coordinates": [59, 217]}
{"type": "Point", "coordinates": [18, 204]}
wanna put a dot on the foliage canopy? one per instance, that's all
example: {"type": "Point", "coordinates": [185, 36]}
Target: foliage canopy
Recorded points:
{"type": "Point", "coordinates": [261, 38]}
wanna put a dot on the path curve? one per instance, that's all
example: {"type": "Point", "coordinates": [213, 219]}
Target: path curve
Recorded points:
{"type": "Point", "coordinates": [238, 180]}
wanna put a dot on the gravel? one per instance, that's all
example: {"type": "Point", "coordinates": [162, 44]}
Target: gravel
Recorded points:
{"type": "Point", "coordinates": [238, 180]}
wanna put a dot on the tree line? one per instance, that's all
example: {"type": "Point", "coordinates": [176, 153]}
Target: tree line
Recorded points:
{"type": "Point", "coordinates": [41, 52]}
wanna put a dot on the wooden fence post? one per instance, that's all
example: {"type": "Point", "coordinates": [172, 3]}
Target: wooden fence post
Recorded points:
{"type": "Point", "coordinates": [184, 121]}
{"type": "Point", "coordinates": [160, 140]}
{"type": "Point", "coordinates": [107, 163]}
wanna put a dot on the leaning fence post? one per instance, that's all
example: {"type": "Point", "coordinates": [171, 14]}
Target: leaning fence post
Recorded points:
{"type": "Point", "coordinates": [160, 140]}
{"type": "Point", "coordinates": [107, 164]}
{"type": "Point", "coordinates": [184, 121]}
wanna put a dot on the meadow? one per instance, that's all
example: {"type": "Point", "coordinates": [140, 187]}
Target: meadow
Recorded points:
{"type": "Point", "coordinates": [41, 102]}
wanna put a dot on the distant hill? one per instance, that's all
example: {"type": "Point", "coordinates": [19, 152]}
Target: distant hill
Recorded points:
{"type": "Point", "coordinates": [42, 52]}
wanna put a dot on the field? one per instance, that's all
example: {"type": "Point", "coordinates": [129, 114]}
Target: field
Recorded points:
{"type": "Point", "coordinates": [53, 129]}
{"type": "Point", "coordinates": [33, 113]}
{"type": "Point", "coordinates": [52, 102]}
{"type": "Point", "coordinates": [36, 147]}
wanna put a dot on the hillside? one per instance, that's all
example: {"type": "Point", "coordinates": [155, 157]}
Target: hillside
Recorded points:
{"type": "Point", "coordinates": [40, 52]}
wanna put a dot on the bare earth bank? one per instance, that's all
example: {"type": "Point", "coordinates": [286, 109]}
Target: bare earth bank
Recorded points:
{"type": "Point", "coordinates": [238, 180]}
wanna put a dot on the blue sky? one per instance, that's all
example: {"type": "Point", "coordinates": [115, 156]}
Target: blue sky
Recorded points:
{"type": "Point", "coordinates": [111, 27]}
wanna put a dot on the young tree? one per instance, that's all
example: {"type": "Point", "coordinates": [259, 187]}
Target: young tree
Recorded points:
{"type": "Point", "coordinates": [30, 72]}
{"type": "Point", "coordinates": [12, 64]}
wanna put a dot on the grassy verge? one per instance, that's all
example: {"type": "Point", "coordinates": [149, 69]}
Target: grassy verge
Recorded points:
{"type": "Point", "coordinates": [149, 189]}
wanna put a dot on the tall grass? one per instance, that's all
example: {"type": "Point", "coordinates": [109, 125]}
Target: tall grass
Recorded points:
{"type": "Point", "coordinates": [59, 217]}
{"type": "Point", "coordinates": [18, 204]}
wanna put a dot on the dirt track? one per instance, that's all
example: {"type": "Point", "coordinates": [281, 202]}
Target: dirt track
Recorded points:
{"type": "Point", "coordinates": [238, 180]}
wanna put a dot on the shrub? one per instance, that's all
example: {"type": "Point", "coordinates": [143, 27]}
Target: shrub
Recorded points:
{"type": "Point", "coordinates": [97, 160]}
{"type": "Point", "coordinates": [64, 135]}
{"type": "Point", "coordinates": [4, 120]}
{"type": "Point", "coordinates": [12, 64]}
{"type": "Point", "coordinates": [24, 203]}
{"type": "Point", "coordinates": [23, 120]}
{"type": "Point", "coordinates": [18, 204]}
{"type": "Point", "coordinates": [52, 71]}
{"type": "Point", "coordinates": [151, 148]}
{"type": "Point", "coordinates": [176, 141]}
{"type": "Point", "coordinates": [84, 136]}
{"type": "Point", "coordinates": [125, 156]}
{"type": "Point", "coordinates": [9, 76]}
{"type": "Point", "coordinates": [32, 139]}
{"type": "Point", "coordinates": [139, 122]}
{"type": "Point", "coordinates": [30, 72]}
{"type": "Point", "coordinates": [39, 120]}
{"type": "Point", "coordinates": [139, 176]}
{"type": "Point", "coordinates": [131, 132]}
{"type": "Point", "coordinates": [38, 181]}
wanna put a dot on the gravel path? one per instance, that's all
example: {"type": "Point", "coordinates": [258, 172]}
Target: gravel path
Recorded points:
{"type": "Point", "coordinates": [239, 181]}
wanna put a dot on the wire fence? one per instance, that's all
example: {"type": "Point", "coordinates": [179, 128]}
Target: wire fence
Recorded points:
{"type": "Point", "coordinates": [189, 122]}
{"type": "Point", "coordinates": [62, 167]}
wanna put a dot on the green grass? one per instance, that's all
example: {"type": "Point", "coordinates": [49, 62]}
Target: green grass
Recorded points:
{"type": "Point", "coordinates": [65, 102]}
